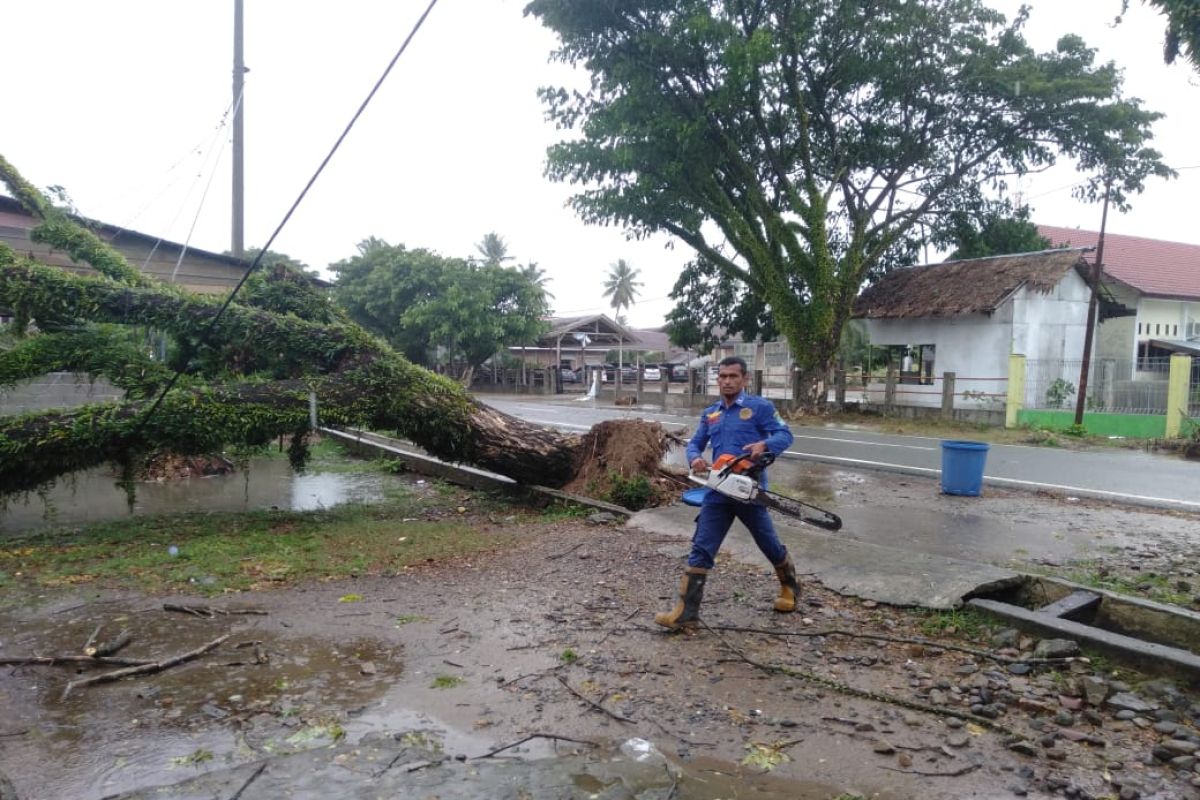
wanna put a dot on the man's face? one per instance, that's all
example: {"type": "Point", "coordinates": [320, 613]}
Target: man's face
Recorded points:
{"type": "Point", "coordinates": [730, 381]}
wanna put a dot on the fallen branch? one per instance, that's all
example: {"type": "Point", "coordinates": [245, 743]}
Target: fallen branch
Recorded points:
{"type": "Point", "coordinates": [593, 703]}
{"type": "Point", "coordinates": [88, 650]}
{"type": "Point", "coordinates": [531, 736]}
{"type": "Point", "coordinates": [72, 659]}
{"type": "Point", "coordinates": [208, 612]}
{"type": "Point", "coordinates": [144, 669]}
{"type": "Point", "coordinates": [114, 645]}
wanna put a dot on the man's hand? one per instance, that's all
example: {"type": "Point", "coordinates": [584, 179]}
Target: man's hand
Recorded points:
{"type": "Point", "coordinates": [699, 464]}
{"type": "Point", "coordinates": [756, 449]}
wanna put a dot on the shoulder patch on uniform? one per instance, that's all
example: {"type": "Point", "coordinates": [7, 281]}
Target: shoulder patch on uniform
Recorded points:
{"type": "Point", "coordinates": [713, 416]}
{"type": "Point", "coordinates": [746, 413]}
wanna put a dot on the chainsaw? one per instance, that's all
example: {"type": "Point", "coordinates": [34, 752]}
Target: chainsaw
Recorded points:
{"type": "Point", "coordinates": [737, 477]}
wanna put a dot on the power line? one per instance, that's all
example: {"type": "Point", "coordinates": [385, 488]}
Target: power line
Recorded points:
{"type": "Point", "coordinates": [202, 339]}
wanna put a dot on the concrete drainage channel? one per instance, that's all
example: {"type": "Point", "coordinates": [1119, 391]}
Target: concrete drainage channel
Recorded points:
{"type": "Point", "coordinates": [1155, 637]}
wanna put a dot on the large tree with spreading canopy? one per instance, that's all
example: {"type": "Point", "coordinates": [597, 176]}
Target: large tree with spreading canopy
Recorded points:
{"type": "Point", "coordinates": [795, 144]}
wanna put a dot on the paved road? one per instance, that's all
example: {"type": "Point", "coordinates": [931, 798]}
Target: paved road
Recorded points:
{"type": "Point", "coordinates": [1123, 475]}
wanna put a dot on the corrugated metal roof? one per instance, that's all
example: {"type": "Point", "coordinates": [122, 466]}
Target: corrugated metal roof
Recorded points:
{"type": "Point", "coordinates": [1152, 266]}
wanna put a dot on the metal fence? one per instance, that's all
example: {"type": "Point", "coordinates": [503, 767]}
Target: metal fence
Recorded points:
{"type": "Point", "coordinates": [1116, 386]}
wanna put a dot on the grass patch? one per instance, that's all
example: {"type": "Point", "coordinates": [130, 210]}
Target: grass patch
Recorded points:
{"type": "Point", "coordinates": [1151, 586]}
{"type": "Point", "coordinates": [966, 622]}
{"type": "Point", "coordinates": [445, 682]}
{"type": "Point", "coordinates": [937, 428]}
{"type": "Point", "coordinates": [251, 550]}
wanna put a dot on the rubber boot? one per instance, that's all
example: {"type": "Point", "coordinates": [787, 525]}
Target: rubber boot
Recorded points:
{"type": "Point", "coordinates": [789, 587]}
{"type": "Point", "coordinates": [686, 613]}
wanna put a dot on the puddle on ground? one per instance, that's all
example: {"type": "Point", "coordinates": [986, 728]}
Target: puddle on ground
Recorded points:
{"type": "Point", "coordinates": [260, 693]}
{"type": "Point", "coordinates": [93, 496]}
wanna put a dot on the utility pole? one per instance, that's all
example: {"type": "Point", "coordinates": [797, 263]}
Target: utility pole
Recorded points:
{"type": "Point", "coordinates": [1093, 303]}
{"type": "Point", "coordinates": [239, 70]}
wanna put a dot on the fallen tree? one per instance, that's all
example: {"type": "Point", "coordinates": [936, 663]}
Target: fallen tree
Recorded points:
{"type": "Point", "coordinates": [246, 374]}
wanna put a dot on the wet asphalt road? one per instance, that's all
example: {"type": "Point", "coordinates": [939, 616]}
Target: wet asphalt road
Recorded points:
{"type": "Point", "coordinates": [1126, 476]}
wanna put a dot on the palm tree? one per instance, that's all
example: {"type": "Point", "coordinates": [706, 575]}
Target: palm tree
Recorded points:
{"type": "Point", "coordinates": [537, 276]}
{"type": "Point", "coordinates": [494, 249]}
{"type": "Point", "coordinates": [622, 289]}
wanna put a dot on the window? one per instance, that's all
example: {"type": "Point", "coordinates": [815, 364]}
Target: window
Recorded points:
{"type": "Point", "coordinates": [1152, 359]}
{"type": "Point", "coordinates": [1139, 329]}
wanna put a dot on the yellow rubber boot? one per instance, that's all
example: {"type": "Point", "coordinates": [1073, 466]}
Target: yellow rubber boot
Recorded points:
{"type": "Point", "coordinates": [686, 613]}
{"type": "Point", "coordinates": [789, 587]}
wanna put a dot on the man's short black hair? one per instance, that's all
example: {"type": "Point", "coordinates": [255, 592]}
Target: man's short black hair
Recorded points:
{"type": "Point", "coordinates": [730, 361]}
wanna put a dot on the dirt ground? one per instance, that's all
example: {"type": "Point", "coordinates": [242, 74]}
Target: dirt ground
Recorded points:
{"type": "Point", "coordinates": [554, 636]}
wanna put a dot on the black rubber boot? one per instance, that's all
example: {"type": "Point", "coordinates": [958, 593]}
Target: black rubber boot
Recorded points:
{"type": "Point", "coordinates": [789, 587]}
{"type": "Point", "coordinates": [686, 613]}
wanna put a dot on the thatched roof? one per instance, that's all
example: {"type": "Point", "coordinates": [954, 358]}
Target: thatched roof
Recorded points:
{"type": "Point", "coordinates": [971, 286]}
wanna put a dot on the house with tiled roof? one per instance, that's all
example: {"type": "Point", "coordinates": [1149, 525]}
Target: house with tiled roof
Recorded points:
{"type": "Point", "coordinates": [1157, 283]}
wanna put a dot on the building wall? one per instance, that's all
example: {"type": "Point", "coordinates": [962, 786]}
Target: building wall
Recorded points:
{"type": "Point", "coordinates": [1162, 319]}
{"type": "Point", "coordinates": [973, 346]}
{"type": "Point", "coordinates": [1051, 326]}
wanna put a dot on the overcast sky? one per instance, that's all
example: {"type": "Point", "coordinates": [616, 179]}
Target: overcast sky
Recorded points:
{"type": "Point", "coordinates": [122, 104]}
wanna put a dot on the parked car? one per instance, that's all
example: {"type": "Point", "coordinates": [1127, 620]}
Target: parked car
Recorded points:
{"type": "Point", "coordinates": [678, 373]}
{"type": "Point", "coordinates": [651, 372]}
{"type": "Point", "coordinates": [568, 375]}
{"type": "Point", "coordinates": [628, 374]}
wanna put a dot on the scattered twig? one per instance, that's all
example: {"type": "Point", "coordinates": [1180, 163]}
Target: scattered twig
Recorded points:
{"type": "Point", "coordinates": [238, 794]}
{"type": "Point", "coordinates": [114, 645]}
{"type": "Point", "coordinates": [7, 734]}
{"type": "Point", "coordinates": [951, 774]}
{"type": "Point", "coordinates": [842, 688]}
{"type": "Point", "coordinates": [452, 663]}
{"type": "Point", "coordinates": [72, 659]}
{"type": "Point", "coordinates": [593, 703]}
{"type": "Point", "coordinates": [143, 669]}
{"type": "Point", "coordinates": [531, 736]}
{"type": "Point", "coordinates": [411, 766]}
{"type": "Point", "coordinates": [88, 650]}
{"type": "Point", "coordinates": [355, 614]}
{"type": "Point", "coordinates": [538, 674]}
{"type": "Point", "coordinates": [568, 551]}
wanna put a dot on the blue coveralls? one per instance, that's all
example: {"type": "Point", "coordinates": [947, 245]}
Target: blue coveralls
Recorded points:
{"type": "Point", "coordinates": [748, 420]}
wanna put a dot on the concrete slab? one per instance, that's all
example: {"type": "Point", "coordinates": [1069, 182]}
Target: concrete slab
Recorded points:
{"type": "Point", "coordinates": [860, 569]}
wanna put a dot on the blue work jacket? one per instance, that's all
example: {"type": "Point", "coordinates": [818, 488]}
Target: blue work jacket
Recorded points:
{"type": "Point", "coordinates": [748, 420]}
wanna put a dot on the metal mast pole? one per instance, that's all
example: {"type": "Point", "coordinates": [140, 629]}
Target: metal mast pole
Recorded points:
{"type": "Point", "coordinates": [239, 70]}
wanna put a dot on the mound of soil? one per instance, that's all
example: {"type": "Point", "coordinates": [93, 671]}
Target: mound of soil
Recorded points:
{"type": "Point", "coordinates": [172, 466]}
{"type": "Point", "coordinates": [617, 451]}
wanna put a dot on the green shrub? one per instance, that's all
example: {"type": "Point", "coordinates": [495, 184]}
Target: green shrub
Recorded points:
{"type": "Point", "coordinates": [632, 493]}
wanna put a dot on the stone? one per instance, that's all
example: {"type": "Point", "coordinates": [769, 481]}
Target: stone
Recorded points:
{"type": "Point", "coordinates": [1095, 689]}
{"type": "Point", "coordinates": [958, 739]}
{"type": "Point", "coordinates": [1165, 727]}
{"type": "Point", "coordinates": [883, 748]}
{"type": "Point", "coordinates": [1183, 762]}
{"type": "Point", "coordinates": [1127, 701]}
{"type": "Point", "coordinates": [1056, 648]}
{"type": "Point", "coordinates": [1019, 668]}
{"type": "Point", "coordinates": [1064, 718]}
{"type": "Point", "coordinates": [1023, 747]}
{"type": "Point", "coordinates": [954, 722]}
{"type": "Point", "coordinates": [1180, 746]}
{"type": "Point", "coordinates": [1006, 638]}
{"type": "Point", "coordinates": [367, 668]}
{"type": "Point", "coordinates": [1056, 754]}
{"type": "Point", "coordinates": [1124, 714]}
{"type": "Point", "coordinates": [1070, 703]}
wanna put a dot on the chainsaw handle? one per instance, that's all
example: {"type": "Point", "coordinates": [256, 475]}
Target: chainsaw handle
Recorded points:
{"type": "Point", "coordinates": [761, 463]}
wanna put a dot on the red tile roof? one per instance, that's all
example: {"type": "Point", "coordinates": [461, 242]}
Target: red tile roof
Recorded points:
{"type": "Point", "coordinates": [1152, 266]}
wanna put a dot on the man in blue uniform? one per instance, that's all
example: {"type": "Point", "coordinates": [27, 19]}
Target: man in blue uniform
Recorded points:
{"type": "Point", "coordinates": [736, 425]}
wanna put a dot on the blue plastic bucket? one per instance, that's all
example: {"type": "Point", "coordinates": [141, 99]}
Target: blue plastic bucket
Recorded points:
{"type": "Point", "coordinates": [962, 467]}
